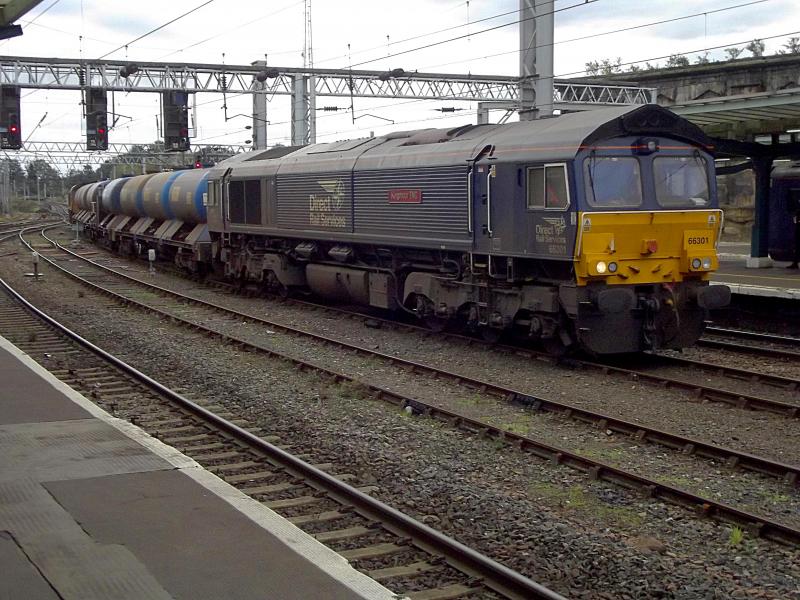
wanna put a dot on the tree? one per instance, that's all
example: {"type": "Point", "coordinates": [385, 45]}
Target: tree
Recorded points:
{"type": "Point", "coordinates": [604, 67]}
{"type": "Point", "coordinates": [76, 177]}
{"type": "Point", "coordinates": [702, 59]}
{"type": "Point", "coordinates": [756, 48]}
{"type": "Point", "coordinates": [15, 172]}
{"type": "Point", "coordinates": [213, 154]}
{"type": "Point", "coordinates": [41, 172]}
{"type": "Point", "coordinates": [677, 60]}
{"type": "Point", "coordinates": [733, 52]}
{"type": "Point", "coordinates": [791, 47]}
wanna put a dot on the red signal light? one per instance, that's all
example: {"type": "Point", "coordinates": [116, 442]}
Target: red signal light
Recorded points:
{"type": "Point", "coordinates": [198, 165]}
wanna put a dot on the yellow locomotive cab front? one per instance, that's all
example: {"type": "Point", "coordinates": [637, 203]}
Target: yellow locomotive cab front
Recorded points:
{"type": "Point", "coordinates": [646, 247]}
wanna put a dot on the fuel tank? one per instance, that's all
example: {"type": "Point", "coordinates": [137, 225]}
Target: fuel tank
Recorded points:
{"type": "Point", "coordinates": [131, 200]}
{"type": "Point", "coordinates": [162, 196]}
{"type": "Point", "coordinates": [86, 194]}
{"type": "Point", "coordinates": [155, 196]}
{"type": "Point", "coordinates": [186, 195]}
{"type": "Point", "coordinates": [111, 196]}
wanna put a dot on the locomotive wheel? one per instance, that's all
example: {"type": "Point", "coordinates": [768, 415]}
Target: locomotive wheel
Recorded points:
{"type": "Point", "coordinates": [434, 323]}
{"type": "Point", "coordinates": [426, 313]}
{"type": "Point", "coordinates": [555, 346]}
{"type": "Point", "coordinates": [491, 335]}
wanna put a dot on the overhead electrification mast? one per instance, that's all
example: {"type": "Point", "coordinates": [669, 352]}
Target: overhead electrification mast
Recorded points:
{"type": "Point", "coordinates": [536, 29]}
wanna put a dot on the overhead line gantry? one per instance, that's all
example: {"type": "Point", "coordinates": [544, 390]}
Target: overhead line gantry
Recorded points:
{"type": "Point", "coordinates": [264, 81]}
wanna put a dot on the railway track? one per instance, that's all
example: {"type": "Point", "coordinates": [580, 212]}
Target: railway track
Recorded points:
{"type": "Point", "coordinates": [389, 546]}
{"type": "Point", "coordinates": [701, 392]}
{"type": "Point", "coordinates": [14, 226]}
{"type": "Point", "coordinates": [84, 269]}
{"type": "Point", "coordinates": [765, 344]}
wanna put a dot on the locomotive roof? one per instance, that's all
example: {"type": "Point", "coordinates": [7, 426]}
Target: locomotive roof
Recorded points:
{"type": "Point", "coordinates": [552, 139]}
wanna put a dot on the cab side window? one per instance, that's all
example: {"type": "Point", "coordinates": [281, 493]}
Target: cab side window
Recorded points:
{"type": "Point", "coordinates": [236, 201]}
{"type": "Point", "coordinates": [547, 187]}
{"type": "Point", "coordinates": [244, 201]}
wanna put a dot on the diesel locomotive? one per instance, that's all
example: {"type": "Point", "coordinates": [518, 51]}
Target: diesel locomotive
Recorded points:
{"type": "Point", "coordinates": [595, 230]}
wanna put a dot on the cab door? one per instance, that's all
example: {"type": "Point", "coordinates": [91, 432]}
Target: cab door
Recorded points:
{"type": "Point", "coordinates": [481, 224]}
{"type": "Point", "coordinates": [549, 221]}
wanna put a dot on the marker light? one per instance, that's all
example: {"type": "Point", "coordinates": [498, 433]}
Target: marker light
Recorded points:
{"type": "Point", "coordinates": [707, 263]}
{"type": "Point", "coordinates": [696, 263]}
{"type": "Point", "coordinates": [13, 129]}
{"type": "Point", "coordinates": [601, 267]}
{"type": "Point", "coordinates": [612, 267]}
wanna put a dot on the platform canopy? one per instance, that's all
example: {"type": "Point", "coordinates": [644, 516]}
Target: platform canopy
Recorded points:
{"type": "Point", "coordinates": [738, 116]}
{"type": "Point", "coordinates": [10, 11]}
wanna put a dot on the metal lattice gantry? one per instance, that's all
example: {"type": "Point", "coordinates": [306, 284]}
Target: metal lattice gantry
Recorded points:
{"type": "Point", "coordinates": [267, 81]}
{"type": "Point", "coordinates": [73, 74]}
{"type": "Point", "coordinates": [569, 95]}
{"type": "Point", "coordinates": [74, 154]}
{"type": "Point", "coordinates": [68, 74]}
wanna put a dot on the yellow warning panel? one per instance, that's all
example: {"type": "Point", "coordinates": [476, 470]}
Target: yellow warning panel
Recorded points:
{"type": "Point", "coordinates": [637, 247]}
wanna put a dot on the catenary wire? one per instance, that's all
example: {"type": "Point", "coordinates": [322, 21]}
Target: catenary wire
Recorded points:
{"type": "Point", "coordinates": [237, 27]}
{"type": "Point", "coordinates": [430, 33]}
{"type": "Point", "coordinates": [159, 28]}
{"type": "Point", "coordinates": [474, 33]}
{"type": "Point", "coordinates": [605, 33]}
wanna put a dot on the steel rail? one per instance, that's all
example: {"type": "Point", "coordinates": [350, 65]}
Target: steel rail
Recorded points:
{"type": "Point", "coordinates": [492, 574]}
{"type": "Point", "coordinates": [699, 390]}
{"type": "Point", "coordinates": [791, 473]}
{"type": "Point", "coordinates": [709, 392]}
{"type": "Point", "coordinates": [754, 335]}
{"type": "Point", "coordinates": [748, 349]}
{"type": "Point", "coordinates": [760, 525]}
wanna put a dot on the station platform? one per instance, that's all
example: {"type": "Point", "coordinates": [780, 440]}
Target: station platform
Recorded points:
{"type": "Point", "coordinates": [91, 507]}
{"type": "Point", "coordinates": [774, 282]}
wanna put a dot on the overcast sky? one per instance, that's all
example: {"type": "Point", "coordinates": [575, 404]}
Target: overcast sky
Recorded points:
{"type": "Point", "coordinates": [242, 31]}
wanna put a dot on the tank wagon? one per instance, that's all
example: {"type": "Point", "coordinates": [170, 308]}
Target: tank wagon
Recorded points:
{"type": "Point", "coordinates": [594, 230]}
{"type": "Point", "coordinates": [165, 211]}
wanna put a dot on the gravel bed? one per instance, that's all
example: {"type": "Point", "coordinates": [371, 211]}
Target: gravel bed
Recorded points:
{"type": "Point", "coordinates": [763, 495]}
{"type": "Point", "coordinates": [750, 431]}
{"type": "Point", "coordinates": [546, 521]}
{"type": "Point", "coordinates": [786, 367]}
{"type": "Point", "coordinates": [708, 376]}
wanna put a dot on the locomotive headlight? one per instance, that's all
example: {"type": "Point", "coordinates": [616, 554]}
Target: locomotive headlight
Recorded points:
{"type": "Point", "coordinates": [601, 267]}
{"type": "Point", "coordinates": [612, 267]}
{"type": "Point", "coordinates": [707, 263]}
{"type": "Point", "coordinates": [696, 263]}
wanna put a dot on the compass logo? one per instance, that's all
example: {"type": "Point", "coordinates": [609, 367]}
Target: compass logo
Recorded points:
{"type": "Point", "coordinates": [558, 224]}
{"type": "Point", "coordinates": [335, 189]}
{"type": "Point", "coordinates": [323, 208]}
